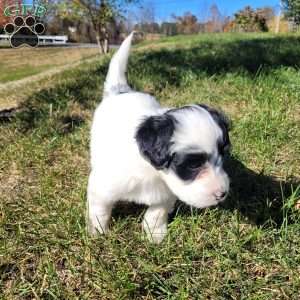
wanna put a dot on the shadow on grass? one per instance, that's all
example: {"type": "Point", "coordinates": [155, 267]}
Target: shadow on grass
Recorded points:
{"type": "Point", "coordinates": [218, 57]}
{"type": "Point", "coordinates": [167, 67]}
{"type": "Point", "coordinates": [261, 199]}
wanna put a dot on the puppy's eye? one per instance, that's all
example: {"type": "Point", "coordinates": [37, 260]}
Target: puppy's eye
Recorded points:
{"type": "Point", "coordinates": [196, 161]}
{"type": "Point", "coordinates": [188, 166]}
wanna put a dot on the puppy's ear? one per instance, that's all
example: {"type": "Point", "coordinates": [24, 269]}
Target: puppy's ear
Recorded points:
{"type": "Point", "coordinates": [220, 118]}
{"type": "Point", "coordinates": [153, 137]}
{"type": "Point", "coordinates": [224, 123]}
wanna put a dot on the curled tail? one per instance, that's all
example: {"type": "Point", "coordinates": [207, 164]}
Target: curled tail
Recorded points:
{"type": "Point", "coordinates": [116, 82]}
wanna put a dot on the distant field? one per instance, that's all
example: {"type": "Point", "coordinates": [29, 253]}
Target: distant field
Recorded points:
{"type": "Point", "coordinates": [24, 71]}
{"type": "Point", "coordinates": [247, 249]}
{"type": "Point", "coordinates": [16, 64]}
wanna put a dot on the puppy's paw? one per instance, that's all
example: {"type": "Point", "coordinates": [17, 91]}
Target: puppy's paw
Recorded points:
{"type": "Point", "coordinates": [157, 234]}
{"type": "Point", "coordinates": [95, 229]}
{"type": "Point", "coordinates": [156, 238]}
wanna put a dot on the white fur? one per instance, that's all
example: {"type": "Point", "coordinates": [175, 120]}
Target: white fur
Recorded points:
{"type": "Point", "coordinates": [118, 170]}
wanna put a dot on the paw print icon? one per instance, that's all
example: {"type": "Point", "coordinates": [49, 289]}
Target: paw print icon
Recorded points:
{"type": "Point", "coordinates": [24, 31]}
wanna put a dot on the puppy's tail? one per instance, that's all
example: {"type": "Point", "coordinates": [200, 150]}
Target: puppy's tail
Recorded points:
{"type": "Point", "coordinates": [116, 82]}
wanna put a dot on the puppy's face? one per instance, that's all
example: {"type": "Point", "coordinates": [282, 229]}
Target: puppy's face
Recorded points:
{"type": "Point", "coordinates": [187, 146]}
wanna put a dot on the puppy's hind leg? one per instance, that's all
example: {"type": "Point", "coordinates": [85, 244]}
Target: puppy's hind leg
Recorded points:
{"type": "Point", "coordinates": [98, 210]}
{"type": "Point", "coordinates": [155, 221]}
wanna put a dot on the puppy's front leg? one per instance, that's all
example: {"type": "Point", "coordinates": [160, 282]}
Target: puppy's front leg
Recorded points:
{"type": "Point", "coordinates": [155, 221]}
{"type": "Point", "coordinates": [99, 213]}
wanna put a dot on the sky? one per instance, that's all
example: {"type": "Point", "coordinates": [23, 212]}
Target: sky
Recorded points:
{"type": "Point", "coordinates": [164, 8]}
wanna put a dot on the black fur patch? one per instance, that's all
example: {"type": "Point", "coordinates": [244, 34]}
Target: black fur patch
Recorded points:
{"type": "Point", "coordinates": [188, 165]}
{"type": "Point", "coordinates": [154, 139]}
{"type": "Point", "coordinates": [224, 123]}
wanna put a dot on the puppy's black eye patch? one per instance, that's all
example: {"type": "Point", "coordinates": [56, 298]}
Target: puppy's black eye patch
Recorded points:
{"type": "Point", "coordinates": [195, 161]}
{"type": "Point", "coordinates": [188, 166]}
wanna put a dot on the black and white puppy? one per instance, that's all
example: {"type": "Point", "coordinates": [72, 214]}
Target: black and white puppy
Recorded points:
{"type": "Point", "coordinates": [147, 154]}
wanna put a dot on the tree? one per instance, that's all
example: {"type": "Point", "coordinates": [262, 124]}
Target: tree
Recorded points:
{"type": "Point", "coordinates": [146, 13]}
{"type": "Point", "coordinates": [216, 18]}
{"type": "Point", "coordinates": [228, 25]}
{"type": "Point", "coordinates": [212, 18]}
{"type": "Point", "coordinates": [187, 24]}
{"type": "Point", "coordinates": [98, 12]}
{"type": "Point", "coordinates": [3, 4]}
{"type": "Point", "coordinates": [146, 19]}
{"type": "Point", "coordinates": [129, 21]}
{"type": "Point", "coordinates": [292, 9]}
{"type": "Point", "coordinates": [266, 12]}
{"type": "Point", "coordinates": [204, 12]}
{"type": "Point", "coordinates": [168, 28]}
{"type": "Point", "coordinates": [3, 18]}
{"type": "Point", "coordinates": [148, 27]}
{"type": "Point", "coordinates": [251, 20]}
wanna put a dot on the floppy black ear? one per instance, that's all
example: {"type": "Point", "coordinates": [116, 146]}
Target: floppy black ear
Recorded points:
{"type": "Point", "coordinates": [219, 117]}
{"type": "Point", "coordinates": [224, 123]}
{"type": "Point", "coordinates": [153, 137]}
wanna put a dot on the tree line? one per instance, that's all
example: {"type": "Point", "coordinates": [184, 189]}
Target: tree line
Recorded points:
{"type": "Point", "coordinates": [104, 21]}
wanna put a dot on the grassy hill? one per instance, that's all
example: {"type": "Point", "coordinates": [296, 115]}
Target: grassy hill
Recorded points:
{"type": "Point", "coordinates": [248, 248]}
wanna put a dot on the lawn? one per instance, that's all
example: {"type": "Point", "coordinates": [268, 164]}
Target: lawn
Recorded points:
{"type": "Point", "coordinates": [247, 248]}
{"type": "Point", "coordinates": [24, 71]}
{"type": "Point", "coordinates": [16, 64]}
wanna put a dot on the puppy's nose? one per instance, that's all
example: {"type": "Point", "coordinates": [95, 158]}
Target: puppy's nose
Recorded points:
{"type": "Point", "coordinates": [221, 195]}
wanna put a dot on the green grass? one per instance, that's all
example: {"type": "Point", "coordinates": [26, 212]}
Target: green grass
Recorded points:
{"type": "Point", "coordinates": [16, 64]}
{"type": "Point", "coordinates": [23, 71]}
{"type": "Point", "coordinates": [248, 248]}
